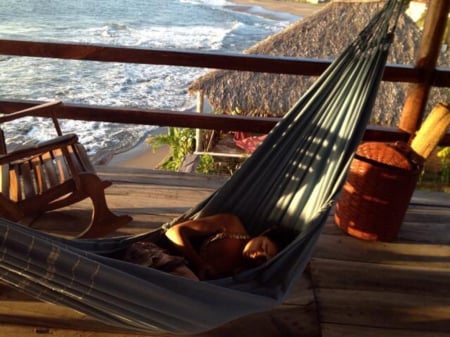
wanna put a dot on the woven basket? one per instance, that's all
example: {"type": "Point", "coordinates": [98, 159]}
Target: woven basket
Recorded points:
{"type": "Point", "coordinates": [375, 197]}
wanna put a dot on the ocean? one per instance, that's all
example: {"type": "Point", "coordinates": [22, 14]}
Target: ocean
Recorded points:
{"type": "Point", "coordinates": [196, 25]}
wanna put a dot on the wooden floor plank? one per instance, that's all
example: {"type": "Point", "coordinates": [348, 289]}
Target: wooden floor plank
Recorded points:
{"type": "Point", "coordinates": [334, 274]}
{"type": "Point", "coordinates": [346, 248]}
{"type": "Point", "coordinates": [148, 177]}
{"type": "Point", "coordinates": [390, 310]}
{"type": "Point", "coordinates": [351, 287]}
{"type": "Point", "coordinates": [341, 330]}
{"type": "Point", "coordinates": [431, 198]}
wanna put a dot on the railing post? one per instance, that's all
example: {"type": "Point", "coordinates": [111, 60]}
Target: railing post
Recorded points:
{"type": "Point", "coordinates": [434, 27]}
{"type": "Point", "coordinates": [198, 133]}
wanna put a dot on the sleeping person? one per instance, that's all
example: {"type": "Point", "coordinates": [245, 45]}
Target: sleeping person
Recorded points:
{"type": "Point", "coordinates": [211, 247]}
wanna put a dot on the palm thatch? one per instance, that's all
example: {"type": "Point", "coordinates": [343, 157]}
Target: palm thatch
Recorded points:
{"type": "Point", "coordinates": [323, 35]}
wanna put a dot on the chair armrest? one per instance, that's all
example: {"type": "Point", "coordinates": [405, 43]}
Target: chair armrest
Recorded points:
{"type": "Point", "coordinates": [39, 148]}
{"type": "Point", "coordinates": [36, 110]}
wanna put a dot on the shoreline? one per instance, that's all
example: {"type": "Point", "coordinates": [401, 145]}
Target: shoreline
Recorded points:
{"type": "Point", "coordinates": [143, 155]}
{"type": "Point", "coordinates": [294, 8]}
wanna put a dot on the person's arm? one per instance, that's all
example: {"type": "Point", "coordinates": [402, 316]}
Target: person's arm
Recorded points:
{"type": "Point", "coordinates": [180, 235]}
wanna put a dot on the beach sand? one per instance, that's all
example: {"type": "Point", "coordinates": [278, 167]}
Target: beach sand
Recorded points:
{"type": "Point", "coordinates": [300, 9]}
{"type": "Point", "coordinates": [143, 155]}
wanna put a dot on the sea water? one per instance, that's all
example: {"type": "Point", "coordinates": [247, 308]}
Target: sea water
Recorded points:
{"type": "Point", "coordinates": [194, 25]}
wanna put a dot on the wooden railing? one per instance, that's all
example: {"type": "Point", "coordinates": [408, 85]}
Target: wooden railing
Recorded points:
{"type": "Point", "coordinates": [270, 64]}
{"type": "Point", "coordinates": [256, 63]}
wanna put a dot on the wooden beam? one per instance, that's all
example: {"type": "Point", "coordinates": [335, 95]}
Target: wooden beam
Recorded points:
{"type": "Point", "coordinates": [256, 63]}
{"type": "Point", "coordinates": [435, 23]}
{"type": "Point", "coordinates": [186, 119]}
{"type": "Point", "coordinates": [104, 53]}
{"type": "Point", "coordinates": [441, 78]}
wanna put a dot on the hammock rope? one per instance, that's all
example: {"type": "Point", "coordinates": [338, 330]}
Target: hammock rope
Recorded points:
{"type": "Point", "coordinates": [292, 179]}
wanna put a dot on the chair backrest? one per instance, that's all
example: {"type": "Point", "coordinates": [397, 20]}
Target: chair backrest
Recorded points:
{"type": "Point", "coordinates": [33, 175]}
{"type": "Point", "coordinates": [43, 168]}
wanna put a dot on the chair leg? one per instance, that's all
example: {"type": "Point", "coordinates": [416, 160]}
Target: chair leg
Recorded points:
{"type": "Point", "coordinates": [103, 221]}
{"type": "Point", "coordinates": [9, 209]}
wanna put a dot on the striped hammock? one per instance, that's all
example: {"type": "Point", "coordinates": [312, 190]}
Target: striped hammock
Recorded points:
{"type": "Point", "coordinates": [291, 179]}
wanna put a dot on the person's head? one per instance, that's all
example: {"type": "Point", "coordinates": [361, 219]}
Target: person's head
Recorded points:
{"type": "Point", "coordinates": [266, 245]}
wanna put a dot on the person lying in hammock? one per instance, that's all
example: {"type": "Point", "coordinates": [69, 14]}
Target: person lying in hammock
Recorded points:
{"type": "Point", "coordinates": [214, 246]}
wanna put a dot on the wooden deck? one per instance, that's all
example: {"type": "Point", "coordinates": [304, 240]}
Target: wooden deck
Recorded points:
{"type": "Point", "coordinates": [350, 288]}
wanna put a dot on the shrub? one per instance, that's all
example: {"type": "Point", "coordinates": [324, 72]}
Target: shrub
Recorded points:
{"type": "Point", "coordinates": [181, 142]}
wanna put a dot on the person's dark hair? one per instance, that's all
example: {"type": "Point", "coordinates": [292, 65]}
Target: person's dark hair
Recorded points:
{"type": "Point", "coordinates": [280, 235]}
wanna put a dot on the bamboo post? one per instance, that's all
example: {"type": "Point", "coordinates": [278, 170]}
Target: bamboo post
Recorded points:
{"type": "Point", "coordinates": [432, 130]}
{"type": "Point", "coordinates": [433, 32]}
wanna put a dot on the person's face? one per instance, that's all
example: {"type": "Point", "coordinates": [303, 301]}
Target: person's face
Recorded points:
{"type": "Point", "coordinates": [260, 249]}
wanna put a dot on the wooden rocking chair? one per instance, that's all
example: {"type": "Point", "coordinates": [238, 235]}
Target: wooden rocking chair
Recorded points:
{"type": "Point", "coordinates": [51, 175]}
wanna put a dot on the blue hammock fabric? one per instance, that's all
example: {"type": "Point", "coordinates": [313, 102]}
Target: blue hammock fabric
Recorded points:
{"type": "Point", "coordinates": [292, 179]}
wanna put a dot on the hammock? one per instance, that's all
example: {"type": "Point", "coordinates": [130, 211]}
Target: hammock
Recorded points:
{"type": "Point", "coordinates": [291, 179]}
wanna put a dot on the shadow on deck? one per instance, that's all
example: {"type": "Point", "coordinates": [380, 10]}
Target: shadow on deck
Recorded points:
{"type": "Point", "coordinates": [350, 288]}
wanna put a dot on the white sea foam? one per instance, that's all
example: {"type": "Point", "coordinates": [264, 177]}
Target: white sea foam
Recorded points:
{"type": "Point", "coordinates": [171, 24]}
{"type": "Point", "coordinates": [206, 2]}
{"type": "Point", "coordinates": [258, 10]}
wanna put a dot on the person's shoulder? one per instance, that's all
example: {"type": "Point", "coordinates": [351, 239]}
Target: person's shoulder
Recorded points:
{"type": "Point", "coordinates": [233, 223]}
{"type": "Point", "coordinates": [227, 222]}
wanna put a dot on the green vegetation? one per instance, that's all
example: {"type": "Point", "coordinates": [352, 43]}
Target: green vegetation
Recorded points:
{"type": "Point", "coordinates": [444, 155]}
{"type": "Point", "coordinates": [182, 143]}
{"type": "Point", "coordinates": [436, 177]}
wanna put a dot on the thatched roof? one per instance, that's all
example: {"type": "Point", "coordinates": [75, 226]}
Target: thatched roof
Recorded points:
{"type": "Point", "coordinates": [323, 35]}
